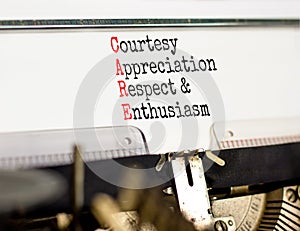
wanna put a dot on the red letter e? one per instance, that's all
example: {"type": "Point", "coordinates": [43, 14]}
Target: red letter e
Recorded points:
{"type": "Point", "coordinates": [127, 114]}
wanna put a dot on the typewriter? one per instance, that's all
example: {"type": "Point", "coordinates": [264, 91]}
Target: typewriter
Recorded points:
{"type": "Point", "coordinates": [212, 173]}
{"type": "Point", "coordinates": [106, 179]}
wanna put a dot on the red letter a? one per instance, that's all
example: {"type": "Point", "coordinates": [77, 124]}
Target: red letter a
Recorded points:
{"type": "Point", "coordinates": [119, 68]}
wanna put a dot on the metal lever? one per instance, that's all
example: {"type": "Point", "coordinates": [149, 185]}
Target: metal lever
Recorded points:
{"type": "Point", "coordinates": [193, 197]}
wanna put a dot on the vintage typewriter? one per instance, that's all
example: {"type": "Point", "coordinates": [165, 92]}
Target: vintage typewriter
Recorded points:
{"type": "Point", "coordinates": [107, 177]}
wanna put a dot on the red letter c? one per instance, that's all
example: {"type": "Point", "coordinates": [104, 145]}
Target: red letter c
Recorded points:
{"type": "Point", "coordinates": [112, 45]}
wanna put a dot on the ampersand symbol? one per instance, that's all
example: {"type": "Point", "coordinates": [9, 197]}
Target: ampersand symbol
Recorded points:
{"type": "Point", "coordinates": [185, 86]}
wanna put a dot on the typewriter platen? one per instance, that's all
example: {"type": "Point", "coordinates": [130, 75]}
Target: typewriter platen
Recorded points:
{"type": "Point", "coordinates": [105, 178]}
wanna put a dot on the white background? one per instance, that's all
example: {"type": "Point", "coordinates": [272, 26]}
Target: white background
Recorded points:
{"type": "Point", "coordinates": [40, 73]}
{"type": "Point", "coordinates": [16, 9]}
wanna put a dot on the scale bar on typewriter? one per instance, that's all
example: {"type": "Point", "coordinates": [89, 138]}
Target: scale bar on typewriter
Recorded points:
{"type": "Point", "coordinates": [37, 149]}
